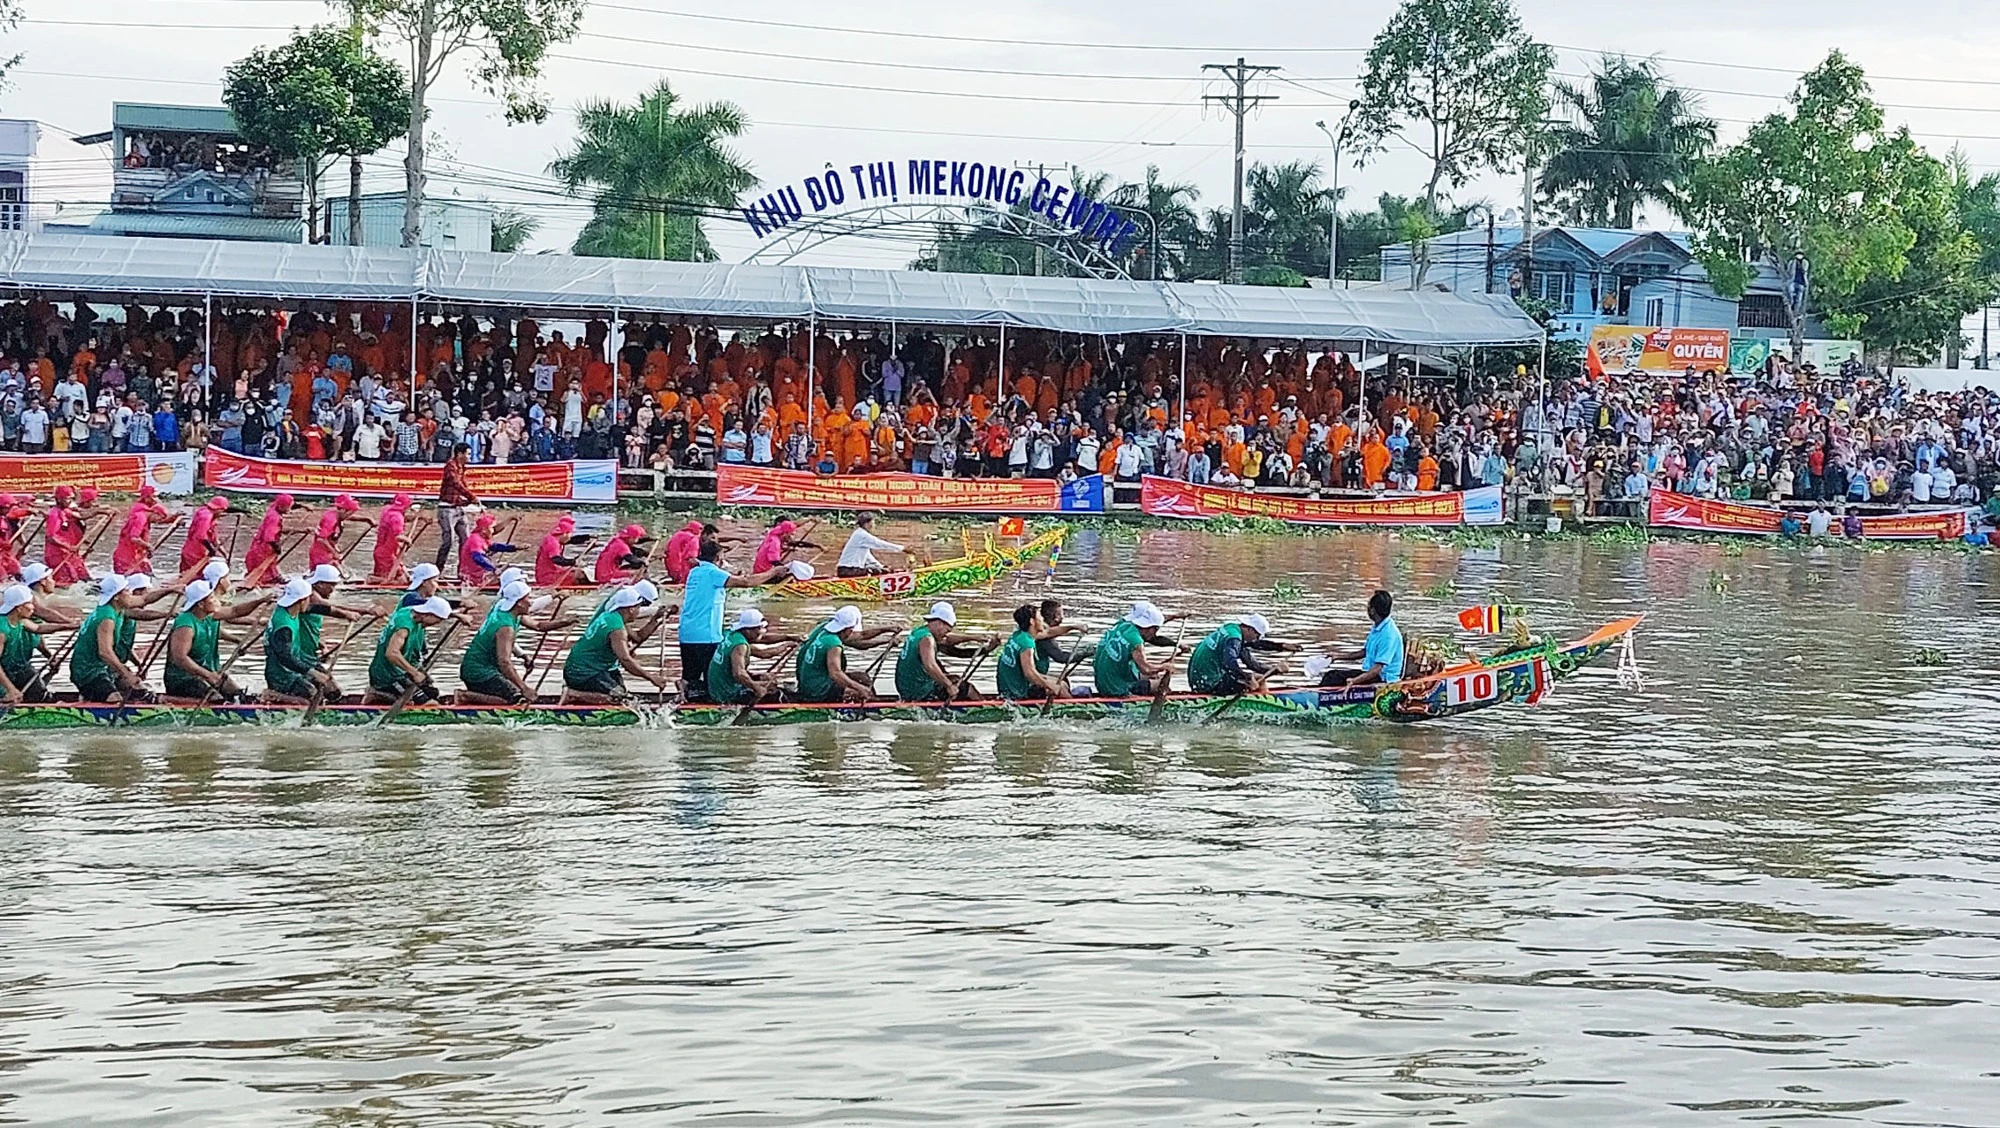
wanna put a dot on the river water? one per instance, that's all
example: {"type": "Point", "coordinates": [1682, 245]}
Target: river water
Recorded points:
{"type": "Point", "coordinates": [1761, 887]}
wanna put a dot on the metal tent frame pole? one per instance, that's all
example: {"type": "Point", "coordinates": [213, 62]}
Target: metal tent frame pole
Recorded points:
{"type": "Point", "coordinates": [413, 349]}
{"type": "Point", "coordinates": [812, 366]}
{"type": "Point", "coordinates": [1183, 406]}
{"type": "Point", "coordinates": [208, 341]}
{"type": "Point", "coordinates": [613, 345]}
{"type": "Point", "coordinates": [1000, 376]}
{"type": "Point", "coordinates": [1361, 395]}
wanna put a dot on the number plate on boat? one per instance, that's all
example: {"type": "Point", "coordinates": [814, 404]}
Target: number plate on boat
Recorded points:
{"type": "Point", "coordinates": [1471, 688]}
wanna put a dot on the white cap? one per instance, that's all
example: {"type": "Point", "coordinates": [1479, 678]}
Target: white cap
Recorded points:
{"type": "Point", "coordinates": [800, 570]}
{"type": "Point", "coordinates": [138, 581]}
{"type": "Point", "coordinates": [434, 606]}
{"type": "Point", "coordinates": [1144, 614]}
{"type": "Point", "coordinates": [216, 571]}
{"type": "Point", "coordinates": [32, 574]}
{"type": "Point", "coordinates": [15, 596]}
{"type": "Point", "coordinates": [511, 576]}
{"type": "Point", "coordinates": [624, 597]}
{"type": "Point", "coordinates": [422, 574]}
{"type": "Point", "coordinates": [944, 613]}
{"type": "Point", "coordinates": [646, 592]}
{"type": "Point", "coordinates": [845, 619]}
{"type": "Point", "coordinates": [512, 593]}
{"type": "Point", "coordinates": [109, 587]}
{"type": "Point", "coordinates": [323, 574]}
{"type": "Point", "coordinates": [296, 591]}
{"type": "Point", "coordinates": [748, 618]}
{"type": "Point", "coordinates": [1256, 623]}
{"type": "Point", "coordinates": [541, 603]}
{"type": "Point", "coordinates": [196, 591]}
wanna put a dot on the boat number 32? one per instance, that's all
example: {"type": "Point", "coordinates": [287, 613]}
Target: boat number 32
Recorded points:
{"type": "Point", "coordinates": [1471, 687]}
{"type": "Point", "coordinates": [899, 583]}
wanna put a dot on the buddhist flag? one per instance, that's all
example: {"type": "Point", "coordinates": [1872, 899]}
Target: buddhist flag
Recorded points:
{"type": "Point", "coordinates": [1539, 681]}
{"type": "Point", "coordinates": [1485, 620]}
{"type": "Point", "coordinates": [1013, 526]}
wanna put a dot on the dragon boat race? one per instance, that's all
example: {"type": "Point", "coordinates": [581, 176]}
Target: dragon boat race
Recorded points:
{"type": "Point", "coordinates": [570, 562]}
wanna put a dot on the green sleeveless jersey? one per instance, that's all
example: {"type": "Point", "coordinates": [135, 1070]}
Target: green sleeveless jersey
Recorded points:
{"type": "Point", "coordinates": [913, 682]}
{"type": "Point", "coordinates": [86, 665]}
{"type": "Point", "coordinates": [723, 688]}
{"type": "Point", "coordinates": [17, 652]}
{"type": "Point", "coordinates": [1205, 672]}
{"type": "Point", "coordinates": [203, 648]}
{"type": "Point", "coordinates": [277, 674]}
{"type": "Point", "coordinates": [1112, 668]}
{"type": "Point", "coordinates": [592, 658]}
{"type": "Point", "coordinates": [815, 684]}
{"type": "Point", "coordinates": [381, 674]}
{"type": "Point", "coordinates": [482, 655]}
{"type": "Point", "coordinates": [1014, 683]}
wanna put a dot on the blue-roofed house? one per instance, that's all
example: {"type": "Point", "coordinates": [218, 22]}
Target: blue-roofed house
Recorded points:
{"type": "Point", "coordinates": [184, 172]}
{"type": "Point", "coordinates": [1594, 276]}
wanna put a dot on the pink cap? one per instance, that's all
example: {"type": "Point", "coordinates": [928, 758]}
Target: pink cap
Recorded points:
{"type": "Point", "coordinates": [346, 503]}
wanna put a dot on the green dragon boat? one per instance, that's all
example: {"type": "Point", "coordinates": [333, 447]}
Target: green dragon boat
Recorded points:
{"type": "Point", "coordinates": [1521, 674]}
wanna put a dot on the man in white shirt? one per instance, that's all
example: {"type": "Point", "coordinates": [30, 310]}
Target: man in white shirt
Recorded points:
{"type": "Point", "coordinates": [1920, 486]}
{"type": "Point", "coordinates": [857, 557]}
{"type": "Point", "coordinates": [35, 428]}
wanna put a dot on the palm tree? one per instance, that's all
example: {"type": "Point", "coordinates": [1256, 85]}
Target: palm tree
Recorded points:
{"type": "Point", "coordinates": [1286, 221]}
{"type": "Point", "coordinates": [1633, 140]}
{"type": "Point", "coordinates": [1176, 226]}
{"type": "Point", "coordinates": [653, 169]}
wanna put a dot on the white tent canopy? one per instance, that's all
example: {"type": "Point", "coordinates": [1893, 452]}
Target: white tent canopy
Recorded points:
{"type": "Point", "coordinates": [93, 264]}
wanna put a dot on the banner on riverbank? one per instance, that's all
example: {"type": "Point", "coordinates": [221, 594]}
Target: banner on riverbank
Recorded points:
{"type": "Point", "coordinates": [170, 472]}
{"type": "Point", "coordinates": [555, 483]}
{"type": "Point", "coordinates": [1166, 497]}
{"type": "Point", "coordinates": [796, 489]}
{"type": "Point", "coordinates": [1668, 510]}
{"type": "Point", "coordinates": [1620, 350]}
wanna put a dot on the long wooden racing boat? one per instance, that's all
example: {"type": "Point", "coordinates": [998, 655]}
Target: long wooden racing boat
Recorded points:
{"type": "Point", "coordinates": [978, 568]}
{"type": "Point", "coordinates": [1521, 674]}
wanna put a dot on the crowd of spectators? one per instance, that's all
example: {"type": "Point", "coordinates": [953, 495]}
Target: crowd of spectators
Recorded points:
{"type": "Point", "coordinates": [674, 395]}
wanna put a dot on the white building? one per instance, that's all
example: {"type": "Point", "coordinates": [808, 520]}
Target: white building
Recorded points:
{"type": "Point", "coordinates": [448, 225]}
{"type": "Point", "coordinates": [43, 175]}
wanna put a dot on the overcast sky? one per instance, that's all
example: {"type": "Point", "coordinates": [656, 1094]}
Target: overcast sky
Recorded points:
{"type": "Point", "coordinates": [818, 96]}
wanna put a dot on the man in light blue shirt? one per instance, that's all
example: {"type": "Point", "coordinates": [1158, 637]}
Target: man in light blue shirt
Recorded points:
{"type": "Point", "coordinates": [703, 605]}
{"type": "Point", "coordinates": [1382, 655]}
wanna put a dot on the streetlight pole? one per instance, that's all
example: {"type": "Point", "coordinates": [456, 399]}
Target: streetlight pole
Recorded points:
{"type": "Point", "coordinates": [1333, 208]}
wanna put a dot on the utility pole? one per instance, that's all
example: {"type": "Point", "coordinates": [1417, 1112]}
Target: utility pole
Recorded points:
{"type": "Point", "coordinates": [1240, 104]}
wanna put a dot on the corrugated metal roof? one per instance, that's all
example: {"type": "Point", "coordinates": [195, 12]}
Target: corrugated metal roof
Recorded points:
{"type": "Point", "coordinates": [189, 119]}
{"type": "Point", "coordinates": [243, 228]}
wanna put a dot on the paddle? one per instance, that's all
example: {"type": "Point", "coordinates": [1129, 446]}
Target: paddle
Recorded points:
{"type": "Point", "coordinates": [553, 663]}
{"type": "Point", "coordinates": [155, 546]}
{"type": "Point", "coordinates": [1075, 659]}
{"type": "Point", "coordinates": [743, 714]}
{"type": "Point", "coordinates": [91, 545]}
{"type": "Point", "coordinates": [1159, 705]}
{"type": "Point", "coordinates": [536, 656]}
{"type": "Point", "coordinates": [222, 674]}
{"type": "Point", "coordinates": [235, 530]}
{"type": "Point", "coordinates": [403, 701]}
{"type": "Point", "coordinates": [44, 675]}
{"type": "Point", "coordinates": [318, 697]}
{"type": "Point", "coordinates": [880, 659]}
{"type": "Point", "coordinates": [965, 681]}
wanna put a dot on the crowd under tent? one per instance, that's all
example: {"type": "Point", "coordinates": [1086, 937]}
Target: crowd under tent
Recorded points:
{"type": "Point", "coordinates": [179, 271]}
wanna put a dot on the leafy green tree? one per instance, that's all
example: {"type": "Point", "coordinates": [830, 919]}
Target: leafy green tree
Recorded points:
{"type": "Point", "coordinates": [512, 228]}
{"type": "Point", "coordinates": [1824, 182]}
{"type": "Point", "coordinates": [1457, 79]}
{"type": "Point", "coordinates": [511, 39]}
{"type": "Point", "coordinates": [1633, 140]}
{"type": "Point", "coordinates": [1286, 222]}
{"type": "Point", "coordinates": [1171, 208]}
{"type": "Point", "coordinates": [651, 168]}
{"type": "Point", "coordinates": [320, 95]}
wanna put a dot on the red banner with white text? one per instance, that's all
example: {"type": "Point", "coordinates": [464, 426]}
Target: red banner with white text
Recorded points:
{"type": "Point", "coordinates": [1668, 510]}
{"type": "Point", "coordinates": [1166, 497]}
{"type": "Point", "coordinates": [796, 489]}
{"type": "Point", "coordinates": [170, 472]}
{"type": "Point", "coordinates": [556, 483]}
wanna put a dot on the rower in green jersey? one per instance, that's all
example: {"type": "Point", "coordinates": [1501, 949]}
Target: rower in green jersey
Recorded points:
{"type": "Point", "coordinates": [292, 674]}
{"type": "Point", "coordinates": [822, 661]}
{"type": "Point", "coordinates": [313, 616]}
{"type": "Point", "coordinates": [594, 672]}
{"type": "Point", "coordinates": [20, 640]}
{"type": "Point", "coordinates": [1120, 667]}
{"type": "Point", "coordinates": [194, 659]}
{"type": "Point", "coordinates": [397, 669]}
{"type": "Point", "coordinates": [730, 681]}
{"type": "Point", "coordinates": [101, 663]}
{"type": "Point", "coordinates": [1022, 670]}
{"type": "Point", "coordinates": [489, 670]}
{"type": "Point", "coordinates": [920, 672]}
{"type": "Point", "coordinates": [1225, 660]}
